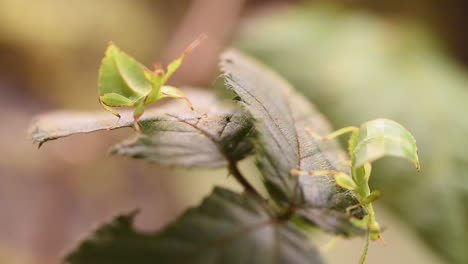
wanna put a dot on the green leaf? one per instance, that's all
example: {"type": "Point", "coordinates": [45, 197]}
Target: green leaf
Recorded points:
{"type": "Point", "coordinates": [282, 118]}
{"type": "Point", "coordinates": [121, 74]}
{"type": "Point", "coordinates": [382, 137]}
{"type": "Point", "coordinates": [225, 228]}
{"type": "Point", "coordinates": [189, 139]}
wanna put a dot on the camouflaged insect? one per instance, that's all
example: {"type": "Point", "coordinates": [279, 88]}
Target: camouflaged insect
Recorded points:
{"type": "Point", "coordinates": [371, 141]}
{"type": "Point", "coordinates": [123, 81]}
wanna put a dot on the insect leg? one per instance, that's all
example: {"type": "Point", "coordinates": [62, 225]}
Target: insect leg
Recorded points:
{"type": "Point", "coordinates": [362, 260]}
{"type": "Point", "coordinates": [171, 91]}
{"type": "Point", "coordinates": [333, 135]}
{"type": "Point", "coordinates": [342, 179]}
{"type": "Point", "coordinates": [113, 99]}
{"type": "Point", "coordinates": [374, 195]}
{"type": "Point", "coordinates": [139, 109]}
{"type": "Point", "coordinates": [331, 243]}
{"type": "Point", "coordinates": [173, 66]}
{"type": "Point", "coordinates": [314, 173]}
{"type": "Point", "coordinates": [340, 132]}
{"type": "Point", "coordinates": [352, 207]}
{"type": "Point", "coordinates": [313, 133]}
{"type": "Point", "coordinates": [108, 108]}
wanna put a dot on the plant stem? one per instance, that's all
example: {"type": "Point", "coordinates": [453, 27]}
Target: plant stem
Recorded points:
{"type": "Point", "coordinates": [234, 170]}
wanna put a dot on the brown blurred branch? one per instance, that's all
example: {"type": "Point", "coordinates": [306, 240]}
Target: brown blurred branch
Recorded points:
{"type": "Point", "coordinates": [218, 19]}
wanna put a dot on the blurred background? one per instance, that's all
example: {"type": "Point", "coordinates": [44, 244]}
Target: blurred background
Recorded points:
{"type": "Point", "coordinates": [356, 60]}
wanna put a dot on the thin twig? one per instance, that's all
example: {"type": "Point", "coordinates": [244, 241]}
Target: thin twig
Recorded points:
{"type": "Point", "coordinates": [234, 170]}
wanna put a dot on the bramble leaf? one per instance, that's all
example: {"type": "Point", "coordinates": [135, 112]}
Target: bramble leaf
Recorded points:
{"type": "Point", "coordinates": [382, 137]}
{"type": "Point", "coordinates": [191, 140]}
{"type": "Point", "coordinates": [169, 137]}
{"type": "Point", "coordinates": [282, 118]}
{"type": "Point", "coordinates": [225, 228]}
{"type": "Point", "coordinates": [58, 124]}
{"type": "Point", "coordinates": [357, 69]}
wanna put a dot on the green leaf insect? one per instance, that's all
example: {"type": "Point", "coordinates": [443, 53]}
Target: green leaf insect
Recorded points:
{"type": "Point", "coordinates": [372, 140]}
{"type": "Point", "coordinates": [123, 81]}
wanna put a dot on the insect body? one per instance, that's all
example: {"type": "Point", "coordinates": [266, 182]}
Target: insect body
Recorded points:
{"type": "Point", "coordinates": [123, 81]}
{"type": "Point", "coordinates": [367, 143]}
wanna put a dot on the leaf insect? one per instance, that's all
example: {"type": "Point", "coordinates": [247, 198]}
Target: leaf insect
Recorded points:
{"type": "Point", "coordinates": [371, 141]}
{"type": "Point", "coordinates": [123, 81]}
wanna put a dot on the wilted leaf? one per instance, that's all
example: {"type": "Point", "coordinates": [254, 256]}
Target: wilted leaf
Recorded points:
{"type": "Point", "coordinates": [191, 140]}
{"type": "Point", "coordinates": [281, 118]}
{"type": "Point", "coordinates": [225, 228]}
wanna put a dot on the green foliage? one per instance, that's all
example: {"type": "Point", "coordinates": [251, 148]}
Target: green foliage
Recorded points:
{"type": "Point", "coordinates": [274, 123]}
{"type": "Point", "coordinates": [226, 228]}
{"type": "Point", "coordinates": [357, 67]}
